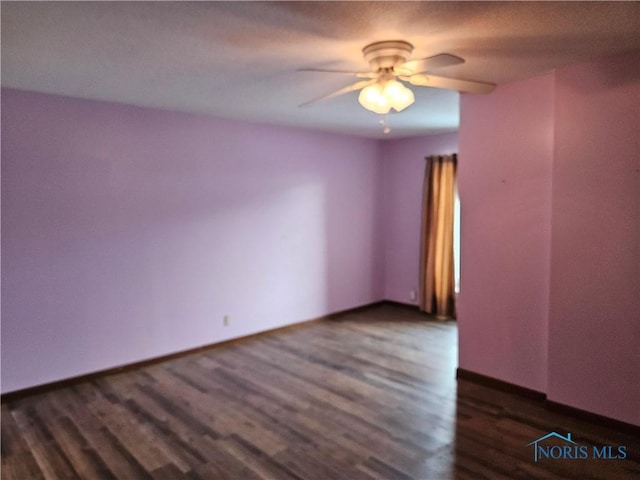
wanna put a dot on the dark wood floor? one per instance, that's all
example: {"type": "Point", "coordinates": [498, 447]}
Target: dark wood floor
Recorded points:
{"type": "Point", "coordinates": [371, 395]}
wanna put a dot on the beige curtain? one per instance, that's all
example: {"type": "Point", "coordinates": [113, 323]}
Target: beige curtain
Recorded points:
{"type": "Point", "coordinates": [437, 274]}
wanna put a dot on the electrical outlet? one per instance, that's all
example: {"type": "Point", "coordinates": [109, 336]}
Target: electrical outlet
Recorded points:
{"type": "Point", "coordinates": [412, 295]}
{"type": "Point", "coordinates": [225, 320]}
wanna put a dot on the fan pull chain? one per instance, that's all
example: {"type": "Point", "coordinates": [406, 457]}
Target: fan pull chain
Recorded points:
{"type": "Point", "coordinates": [384, 123]}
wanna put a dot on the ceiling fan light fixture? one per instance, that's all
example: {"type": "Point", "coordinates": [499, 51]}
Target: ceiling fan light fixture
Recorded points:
{"type": "Point", "coordinates": [382, 97]}
{"type": "Point", "coordinates": [399, 96]}
{"type": "Point", "coordinates": [373, 99]}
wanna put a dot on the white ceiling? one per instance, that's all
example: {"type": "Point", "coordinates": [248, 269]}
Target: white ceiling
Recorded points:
{"type": "Point", "coordinates": [239, 59]}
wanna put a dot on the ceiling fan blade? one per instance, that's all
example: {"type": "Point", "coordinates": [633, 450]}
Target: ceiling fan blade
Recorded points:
{"type": "Point", "coordinates": [413, 67]}
{"type": "Point", "coordinates": [465, 86]}
{"type": "Point", "coordinates": [345, 72]}
{"type": "Point", "coordinates": [349, 88]}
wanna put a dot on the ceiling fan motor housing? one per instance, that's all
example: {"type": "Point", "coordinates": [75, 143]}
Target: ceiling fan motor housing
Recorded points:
{"type": "Point", "coordinates": [389, 54]}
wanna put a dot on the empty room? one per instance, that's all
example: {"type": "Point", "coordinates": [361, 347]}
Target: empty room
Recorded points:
{"type": "Point", "coordinates": [320, 240]}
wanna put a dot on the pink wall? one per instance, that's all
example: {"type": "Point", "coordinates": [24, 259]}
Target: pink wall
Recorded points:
{"type": "Point", "coordinates": [403, 167]}
{"type": "Point", "coordinates": [551, 236]}
{"type": "Point", "coordinates": [129, 233]}
{"type": "Point", "coordinates": [504, 182]}
{"type": "Point", "coordinates": [594, 316]}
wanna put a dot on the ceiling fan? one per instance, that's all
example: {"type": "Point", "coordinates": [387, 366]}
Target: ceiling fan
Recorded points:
{"type": "Point", "coordinates": [382, 90]}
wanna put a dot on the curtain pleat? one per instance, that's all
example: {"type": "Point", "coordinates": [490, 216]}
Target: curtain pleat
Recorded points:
{"type": "Point", "coordinates": [437, 271]}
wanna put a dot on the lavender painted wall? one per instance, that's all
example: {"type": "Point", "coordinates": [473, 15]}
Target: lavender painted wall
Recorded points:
{"type": "Point", "coordinates": [403, 167]}
{"type": "Point", "coordinates": [594, 316]}
{"type": "Point", "coordinates": [504, 182]}
{"type": "Point", "coordinates": [129, 233]}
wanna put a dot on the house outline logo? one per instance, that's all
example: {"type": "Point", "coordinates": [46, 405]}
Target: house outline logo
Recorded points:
{"type": "Point", "coordinates": [544, 437]}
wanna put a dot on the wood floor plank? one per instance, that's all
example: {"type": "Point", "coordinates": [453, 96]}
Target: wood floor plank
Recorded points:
{"type": "Point", "coordinates": [260, 462]}
{"type": "Point", "coordinates": [17, 458]}
{"type": "Point", "coordinates": [221, 464]}
{"type": "Point", "coordinates": [370, 395]}
{"type": "Point", "coordinates": [45, 449]}
{"type": "Point", "coordinates": [85, 460]}
{"type": "Point", "coordinates": [123, 427]}
{"type": "Point", "coordinates": [119, 460]}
